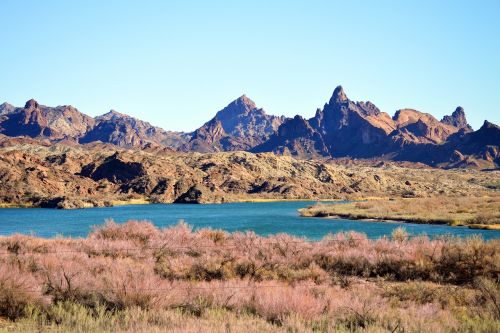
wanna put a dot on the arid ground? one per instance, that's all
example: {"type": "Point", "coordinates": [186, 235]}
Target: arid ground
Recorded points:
{"type": "Point", "coordinates": [76, 176]}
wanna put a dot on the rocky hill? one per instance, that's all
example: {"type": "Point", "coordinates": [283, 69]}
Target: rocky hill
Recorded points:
{"type": "Point", "coordinates": [72, 176]}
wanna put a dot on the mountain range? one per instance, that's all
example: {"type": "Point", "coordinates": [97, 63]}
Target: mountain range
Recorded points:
{"type": "Point", "coordinates": [342, 128]}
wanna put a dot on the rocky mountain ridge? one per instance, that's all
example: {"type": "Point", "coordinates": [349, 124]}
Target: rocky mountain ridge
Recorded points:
{"type": "Point", "coordinates": [342, 128]}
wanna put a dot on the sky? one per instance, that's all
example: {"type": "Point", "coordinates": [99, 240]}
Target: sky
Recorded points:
{"type": "Point", "coordinates": [175, 64]}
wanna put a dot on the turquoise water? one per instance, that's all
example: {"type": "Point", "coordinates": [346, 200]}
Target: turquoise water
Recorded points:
{"type": "Point", "coordinates": [263, 218]}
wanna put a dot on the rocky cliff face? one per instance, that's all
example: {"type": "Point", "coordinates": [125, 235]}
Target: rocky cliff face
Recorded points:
{"type": "Point", "coordinates": [295, 137]}
{"type": "Point", "coordinates": [417, 127]}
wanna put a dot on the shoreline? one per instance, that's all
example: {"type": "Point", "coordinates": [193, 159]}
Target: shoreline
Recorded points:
{"type": "Point", "coordinates": [118, 203]}
{"type": "Point", "coordinates": [388, 220]}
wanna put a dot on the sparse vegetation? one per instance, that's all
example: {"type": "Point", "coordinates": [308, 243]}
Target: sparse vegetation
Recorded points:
{"type": "Point", "coordinates": [136, 277]}
{"type": "Point", "coordinates": [478, 212]}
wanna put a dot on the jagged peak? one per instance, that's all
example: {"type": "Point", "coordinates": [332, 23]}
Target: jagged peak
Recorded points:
{"type": "Point", "coordinates": [31, 104]}
{"type": "Point", "coordinates": [457, 119]}
{"type": "Point", "coordinates": [338, 95]}
{"type": "Point", "coordinates": [488, 124]}
{"type": "Point", "coordinates": [458, 111]}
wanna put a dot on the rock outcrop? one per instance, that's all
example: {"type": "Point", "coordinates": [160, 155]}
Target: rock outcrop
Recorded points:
{"type": "Point", "coordinates": [457, 119]}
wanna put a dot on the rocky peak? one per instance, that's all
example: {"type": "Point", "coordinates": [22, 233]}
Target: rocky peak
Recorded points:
{"type": "Point", "coordinates": [31, 104]}
{"type": "Point", "coordinates": [457, 119]}
{"type": "Point", "coordinates": [6, 108]}
{"type": "Point", "coordinates": [245, 101]}
{"type": "Point", "coordinates": [338, 96]}
{"type": "Point", "coordinates": [489, 125]}
{"type": "Point", "coordinates": [240, 106]}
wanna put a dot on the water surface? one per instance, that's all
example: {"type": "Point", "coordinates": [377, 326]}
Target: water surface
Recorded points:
{"type": "Point", "coordinates": [263, 218]}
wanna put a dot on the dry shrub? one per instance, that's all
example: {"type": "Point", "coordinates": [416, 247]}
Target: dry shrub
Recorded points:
{"type": "Point", "coordinates": [399, 234]}
{"type": "Point", "coordinates": [489, 297]}
{"type": "Point", "coordinates": [275, 303]}
{"type": "Point", "coordinates": [17, 291]}
{"type": "Point", "coordinates": [462, 261]}
{"type": "Point", "coordinates": [140, 231]}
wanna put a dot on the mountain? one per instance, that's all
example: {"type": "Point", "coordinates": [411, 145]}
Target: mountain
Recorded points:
{"type": "Point", "coordinates": [126, 131]}
{"type": "Point", "coordinates": [39, 121]}
{"type": "Point", "coordinates": [63, 176]}
{"type": "Point", "coordinates": [342, 129]}
{"type": "Point", "coordinates": [239, 126]}
{"type": "Point", "coordinates": [67, 123]}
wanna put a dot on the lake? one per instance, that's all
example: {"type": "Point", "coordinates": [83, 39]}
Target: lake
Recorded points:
{"type": "Point", "coordinates": [264, 218]}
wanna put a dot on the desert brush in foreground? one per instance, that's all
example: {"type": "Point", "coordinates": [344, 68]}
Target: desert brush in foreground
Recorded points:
{"type": "Point", "coordinates": [136, 277]}
{"type": "Point", "coordinates": [475, 212]}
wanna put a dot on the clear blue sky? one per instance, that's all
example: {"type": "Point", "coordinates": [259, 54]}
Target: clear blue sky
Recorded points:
{"type": "Point", "coordinates": [175, 64]}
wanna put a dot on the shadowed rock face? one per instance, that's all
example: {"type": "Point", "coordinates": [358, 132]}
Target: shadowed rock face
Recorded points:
{"type": "Point", "coordinates": [295, 137]}
{"type": "Point", "coordinates": [457, 119]}
{"type": "Point", "coordinates": [114, 170]}
{"type": "Point", "coordinates": [196, 194]}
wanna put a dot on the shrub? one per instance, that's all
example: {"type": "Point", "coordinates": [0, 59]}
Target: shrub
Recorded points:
{"type": "Point", "coordinates": [17, 291]}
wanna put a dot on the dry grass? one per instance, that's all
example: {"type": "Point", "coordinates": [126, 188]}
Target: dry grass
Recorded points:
{"type": "Point", "coordinates": [472, 211]}
{"type": "Point", "coordinates": [136, 277]}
